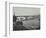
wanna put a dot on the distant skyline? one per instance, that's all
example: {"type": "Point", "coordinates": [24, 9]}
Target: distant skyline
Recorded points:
{"type": "Point", "coordinates": [26, 11]}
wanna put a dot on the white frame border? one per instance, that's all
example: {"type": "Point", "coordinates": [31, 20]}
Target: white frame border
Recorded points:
{"type": "Point", "coordinates": [40, 6]}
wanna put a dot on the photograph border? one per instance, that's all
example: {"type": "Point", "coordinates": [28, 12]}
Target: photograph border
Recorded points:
{"type": "Point", "coordinates": [9, 14]}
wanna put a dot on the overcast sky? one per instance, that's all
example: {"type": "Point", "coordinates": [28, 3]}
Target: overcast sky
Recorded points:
{"type": "Point", "coordinates": [24, 11]}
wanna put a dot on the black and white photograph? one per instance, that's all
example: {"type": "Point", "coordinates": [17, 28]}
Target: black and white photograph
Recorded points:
{"type": "Point", "coordinates": [23, 19]}
{"type": "Point", "coordinates": [26, 18]}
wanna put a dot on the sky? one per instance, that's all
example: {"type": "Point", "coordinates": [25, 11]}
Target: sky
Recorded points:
{"type": "Point", "coordinates": [26, 11]}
